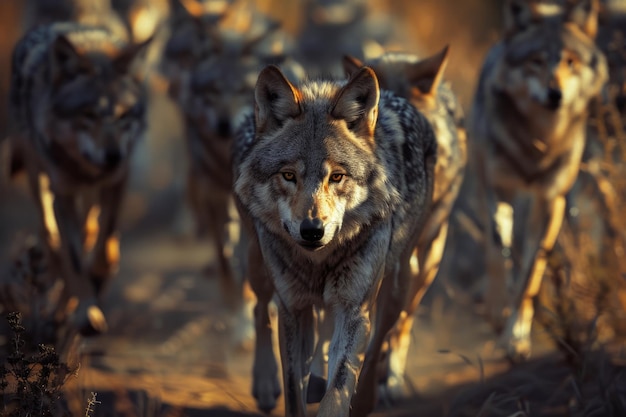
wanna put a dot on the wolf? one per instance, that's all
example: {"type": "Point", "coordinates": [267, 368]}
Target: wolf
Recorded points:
{"type": "Point", "coordinates": [79, 111]}
{"type": "Point", "coordinates": [529, 123]}
{"type": "Point", "coordinates": [421, 82]}
{"type": "Point", "coordinates": [332, 180]}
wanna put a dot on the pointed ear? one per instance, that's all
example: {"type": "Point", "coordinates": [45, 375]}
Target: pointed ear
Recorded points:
{"type": "Point", "coordinates": [66, 60]}
{"type": "Point", "coordinates": [519, 14]}
{"type": "Point", "coordinates": [276, 100]}
{"type": "Point", "coordinates": [357, 102]}
{"type": "Point", "coordinates": [351, 65]}
{"type": "Point", "coordinates": [584, 13]}
{"type": "Point", "coordinates": [128, 55]}
{"type": "Point", "coordinates": [426, 74]}
{"type": "Point", "coordinates": [516, 16]}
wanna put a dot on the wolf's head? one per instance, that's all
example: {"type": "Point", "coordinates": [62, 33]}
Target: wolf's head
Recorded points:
{"type": "Point", "coordinates": [95, 109]}
{"type": "Point", "coordinates": [520, 14]}
{"type": "Point", "coordinates": [552, 67]}
{"type": "Point", "coordinates": [312, 175]}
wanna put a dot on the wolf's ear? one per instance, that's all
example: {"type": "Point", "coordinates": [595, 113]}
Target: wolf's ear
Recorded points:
{"type": "Point", "coordinates": [357, 102]}
{"type": "Point", "coordinates": [426, 74]}
{"type": "Point", "coordinates": [519, 14]}
{"type": "Point", "coordinates": [351, 65]}
{"type": "Point", "coordinates": [123, 62]}
{"type": "Point", "coordinates": [584, 13]}
{"type": "Point", "coordinates": [276, 100]}
{"type": "Point", "coordinates": [66, 60]}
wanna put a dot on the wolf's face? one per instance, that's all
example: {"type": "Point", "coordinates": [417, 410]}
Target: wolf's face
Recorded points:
{"type": "Point", "coordinates": [221, 90]}
{"type": "Point", "coordinates": [313, 166]}
{"type": "Point", "coordinates": [96, 108]}
{"type": "Point", "coordinates": [550, 69]}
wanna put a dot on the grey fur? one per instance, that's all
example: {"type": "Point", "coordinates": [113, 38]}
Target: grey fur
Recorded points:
{"type": "Point", "coordinates": [387, 186]}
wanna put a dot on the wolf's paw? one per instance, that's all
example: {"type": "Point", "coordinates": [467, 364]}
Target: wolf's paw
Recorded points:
{"type": "Point", "coordinates": [517, 350]}
{"type": "Point", "coordinates": [316, 389]}
{"type": "Point", "coordinates": [394, 390]}
{"type": "Point", "coordinates": [266, 391]}
{"type": "Point", "coordinates": [89, 320]}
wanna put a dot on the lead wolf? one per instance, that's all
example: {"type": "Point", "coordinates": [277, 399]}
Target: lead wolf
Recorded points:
{"type": "Point", "coordinates": [79, 111]}
{"type": "Point", "coordinates": [421, 82]}
{"type": "Point", "coordinates": [332, 180]}
{"type": "Point", "coordinates": [529, 122]}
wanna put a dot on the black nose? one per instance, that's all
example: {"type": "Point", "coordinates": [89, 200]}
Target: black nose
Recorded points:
{"type": "Point", "coordinates": [112, 157]}
{"type": "Point", "coordinates": [223, 127]}
{"type": "Point", "coordinates": [554, 98]}
{"type": "Point", "coordinates": [312, 230]}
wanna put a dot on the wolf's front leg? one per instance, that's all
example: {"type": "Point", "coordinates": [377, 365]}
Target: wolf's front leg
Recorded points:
{"type": "Point", "coordinates": [105, 257]}
{"type": "Point", "coordinates": [543, 228]}
{"type": "Point", "coordinates": [297, 340]}
{"type": "Point", "coordinates": [87, 316]}
{"type": "Point", "coordinates": [345, 359]}
{"type": "Point", "coordinates": [499, 262]}
{"type": "Point", "coordinates": [389, 304]}
{"type": "Point", "coordinates": [265, 383]}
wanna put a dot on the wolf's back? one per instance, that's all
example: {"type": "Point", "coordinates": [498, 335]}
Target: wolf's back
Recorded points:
{"type": "Point", "coordinates": [419, 149]}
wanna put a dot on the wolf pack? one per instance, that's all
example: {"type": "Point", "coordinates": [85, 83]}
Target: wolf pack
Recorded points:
{"type": "Point", "coordinates": [324, 169]}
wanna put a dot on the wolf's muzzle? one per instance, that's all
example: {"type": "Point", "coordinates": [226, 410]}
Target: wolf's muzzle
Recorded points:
{"type": "Point", "coordinates": [554, 98]}
{"type": "Point", "coordinates": [112, 158]}
{"type": "Point", "coordinates": [312, 230]}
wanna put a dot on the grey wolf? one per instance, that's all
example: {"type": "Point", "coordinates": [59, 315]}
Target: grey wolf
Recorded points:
{"type": "Point", "coordinates": [421, 82]}
{"type": "Point", "coordinates": [79, 110]}
{"type": "Point", "coordinates": [332, 181]}
{"type": "Point", "coordinates": [529, 122]}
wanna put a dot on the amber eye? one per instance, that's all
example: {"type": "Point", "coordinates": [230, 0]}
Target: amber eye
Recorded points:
{"type": "Point", "coordinates": [571, 63]}
{"type": "Point", "coordinates": [289, 176]}
{"type": "Point", "coordinates": [336, 177]}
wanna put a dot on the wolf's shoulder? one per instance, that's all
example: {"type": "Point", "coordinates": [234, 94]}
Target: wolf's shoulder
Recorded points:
{"type": "Point", "coordinates": [398, 118]}
{"type": "Point", "coordinates": [406, 145]}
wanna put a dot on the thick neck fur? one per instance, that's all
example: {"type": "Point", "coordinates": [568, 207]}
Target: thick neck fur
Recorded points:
{"type": "Point", "coordinates": [532, 144]}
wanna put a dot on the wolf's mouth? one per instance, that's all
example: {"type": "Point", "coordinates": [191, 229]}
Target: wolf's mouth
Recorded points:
{"type": "Point", "coordinates": [311, 246]}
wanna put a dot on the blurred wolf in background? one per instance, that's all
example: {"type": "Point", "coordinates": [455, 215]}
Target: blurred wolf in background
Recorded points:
{"type": "Point", "coordinates": [213, 58]}
{"type": "Point", "coordinates": [421, 82]}
{"type": "Point", "coordinates": [334, 28]}
{"type": "Point", "coordinates": [332, 180]}
{"type": "Point", "coordinates": [529, 123]}
{"type": "Point", "coordinates": [79, 110]}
